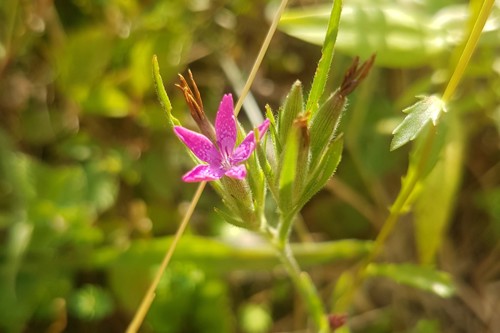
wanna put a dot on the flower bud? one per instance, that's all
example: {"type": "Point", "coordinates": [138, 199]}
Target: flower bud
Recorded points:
{"type": "Point", "coordinates": [292, 107]}
{"type": "Point", "coordinates": [324, 124]}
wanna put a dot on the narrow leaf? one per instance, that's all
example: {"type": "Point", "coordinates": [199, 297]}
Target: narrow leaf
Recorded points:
{"type": "Point", "coordinates": [273, 130]}
{"type": "Point", "coordinates": [423, 278]}
{"type": "Point", "coordinates": [324, 64]}
{"type": "Point", "coordinates": [162, 93]}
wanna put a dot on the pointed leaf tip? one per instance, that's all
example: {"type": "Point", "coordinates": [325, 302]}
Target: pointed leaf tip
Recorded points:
{"type": "Point", "coordinates": [428, 109]}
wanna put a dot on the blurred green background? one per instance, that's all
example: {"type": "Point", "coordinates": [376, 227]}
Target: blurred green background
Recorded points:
{"type": "Point", "coordinates": [90, 177]}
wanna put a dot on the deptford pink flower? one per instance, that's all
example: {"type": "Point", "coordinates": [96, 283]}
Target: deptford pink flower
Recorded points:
{"type": "Point", "coordinates": [223, 157]}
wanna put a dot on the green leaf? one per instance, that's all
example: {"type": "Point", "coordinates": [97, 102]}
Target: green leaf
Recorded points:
{"type": "Point", "coordinates": [328, 41]}
{"type": "Point", "coordinates": [400, 37]}
{"type": "Point", "coordinates": [162, 94]}
{"type": "Point", "coordinates": [273, 132]}
{"type": "Point", "coordinates": [423, 278]}
{"type": "Point", "coordinates": [429, 108]}
{"type": "Point", "coordinates": [437, 196]}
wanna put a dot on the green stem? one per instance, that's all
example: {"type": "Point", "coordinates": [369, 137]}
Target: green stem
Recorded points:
{"type": "Point", "coordinates": [403, 196]}
{"type": "Point", "coordinates": [284, 228]}
{"type": "Point", "coordinates": [305, 287]}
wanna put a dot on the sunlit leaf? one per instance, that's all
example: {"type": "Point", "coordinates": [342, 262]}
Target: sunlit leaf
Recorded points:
{"type": "Point", "coordinates": [424, 278]}
{"type": "Point", "coordinates": [400, 37]}
{"type": "Point", "coordinates": [428, 109]}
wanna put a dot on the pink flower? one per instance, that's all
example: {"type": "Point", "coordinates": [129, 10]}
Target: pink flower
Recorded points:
{"type": "Point", "coordinates": [223, 157]}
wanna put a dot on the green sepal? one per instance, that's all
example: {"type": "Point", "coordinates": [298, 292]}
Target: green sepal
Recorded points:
{"type": "Point", "coordinates": [231, 219]}
{"type": "Point", "coordinates": [324, 125]}
{"type": "Point", "coordinates": [292, 107]}
{"type": "Point", "coordinates": [256, 181]}
{"type": "Point", "coordinates": [322, 171]}
{"type": "Point", "coordinates": [238, 195]}
{"type": "Point", "coordinates": [273, 130]}
{"type": "Point", "coordinates": [288, 168]}
{"type": "Point", "coordinates": [268, 170]}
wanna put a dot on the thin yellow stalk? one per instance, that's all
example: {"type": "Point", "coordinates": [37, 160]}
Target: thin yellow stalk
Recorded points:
{"type": "Point", "coordinates": [260, 56]}
{"type": "Point", "coordinates": [468, 49]}
{"type": "Point", "coordinates": [150, 294]}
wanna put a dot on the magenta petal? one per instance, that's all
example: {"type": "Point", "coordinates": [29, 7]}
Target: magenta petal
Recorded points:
{"type": "Point", "coordinates": [203, 172]}
{"type": "Point", "coordinates": [199, 144]}
{"type": "Point", "coordinates": [225, 125]}
{"type": "Point", "coordinates": [247, 146]}
{"type": "Point", "coordinates": [237, 171]}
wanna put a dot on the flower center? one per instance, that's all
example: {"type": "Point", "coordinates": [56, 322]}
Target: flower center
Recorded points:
{"type": "Point", "coordinates": [226, 159]}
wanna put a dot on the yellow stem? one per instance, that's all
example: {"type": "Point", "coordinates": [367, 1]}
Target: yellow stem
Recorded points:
{"type": "Point", "coordinates": [468, 49]}
{"type": "Point", "coordinates": [150, 294]}
{"type": "Point", "coordinates": [260, 56]}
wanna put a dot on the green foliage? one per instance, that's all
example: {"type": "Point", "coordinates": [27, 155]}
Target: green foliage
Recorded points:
{"type": "Point", "coordinates": [401, 36]}
{"type": "Point", "coordinates": [90, 188]}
